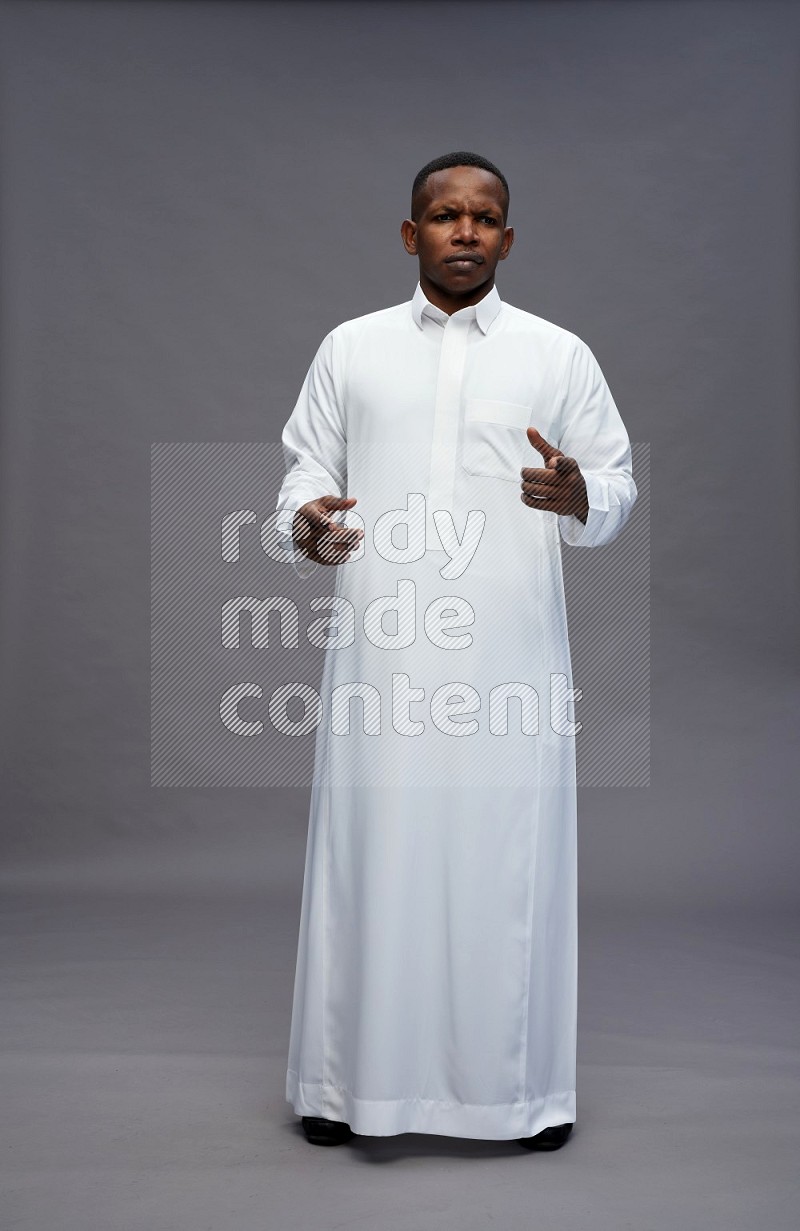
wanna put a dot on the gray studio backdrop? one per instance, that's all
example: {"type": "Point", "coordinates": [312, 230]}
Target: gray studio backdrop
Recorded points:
{"type": "Point", "coordinates": [193, 195]}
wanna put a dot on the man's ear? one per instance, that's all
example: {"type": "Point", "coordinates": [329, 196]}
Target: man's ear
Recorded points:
{"type": "Point", "coordinates": [508, 240]}
{"type": "Point", "coordinates": [408, 232]}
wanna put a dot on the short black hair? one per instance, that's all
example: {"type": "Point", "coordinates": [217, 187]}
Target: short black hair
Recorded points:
{"type": "Point", "coordinates": [459, 158]}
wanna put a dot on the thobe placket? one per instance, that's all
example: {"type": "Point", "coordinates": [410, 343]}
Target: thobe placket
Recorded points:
{"type": "Point", "coordinates": [446, 417]}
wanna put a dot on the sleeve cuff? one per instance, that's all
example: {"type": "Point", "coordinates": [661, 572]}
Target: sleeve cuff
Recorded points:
{"type": "Point", "coordinates": [583, 534]}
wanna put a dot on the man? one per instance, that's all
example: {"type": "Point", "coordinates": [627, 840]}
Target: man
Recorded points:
{"type": "Point", "coordinates": [436, 981]}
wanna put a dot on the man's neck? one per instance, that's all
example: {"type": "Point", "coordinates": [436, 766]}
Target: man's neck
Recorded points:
{"type": "Point", "coordinates": [454, 303]}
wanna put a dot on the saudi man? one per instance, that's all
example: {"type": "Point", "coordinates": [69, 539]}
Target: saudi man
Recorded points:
{"type": "Point", "coordinates": [438, 455]}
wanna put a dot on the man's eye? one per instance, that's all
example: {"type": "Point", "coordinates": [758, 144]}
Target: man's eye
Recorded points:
{"type": "Point", "coordinates": [488, 218]}
{"type": "Point", "coordinates": [442, 217]}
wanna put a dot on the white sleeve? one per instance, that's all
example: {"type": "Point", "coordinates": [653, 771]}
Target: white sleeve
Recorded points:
{"type": "Point", "coordinates": [314, 448]}
{"type": "Point", "coordinates": [592, 431]}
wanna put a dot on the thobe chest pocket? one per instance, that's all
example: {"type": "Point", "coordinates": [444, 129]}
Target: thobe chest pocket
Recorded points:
{"type": "Point", "coordinates": [494, 443]}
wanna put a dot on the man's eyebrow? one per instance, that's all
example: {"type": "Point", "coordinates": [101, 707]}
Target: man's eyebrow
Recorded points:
{"type": "Point", "coordinates": [438, 207]}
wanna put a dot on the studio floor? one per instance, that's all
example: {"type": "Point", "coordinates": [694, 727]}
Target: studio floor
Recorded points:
{"type": "Point", "coordinates": [146, 1017]}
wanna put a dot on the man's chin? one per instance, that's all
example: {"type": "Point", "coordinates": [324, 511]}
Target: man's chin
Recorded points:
{"type": "Point", "coordinates": [462, 281]}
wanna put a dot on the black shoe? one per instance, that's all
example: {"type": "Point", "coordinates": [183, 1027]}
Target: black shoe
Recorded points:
{"type": "Point", "coordinates": [549, 1139]}
{"type": "Point", "coordinates": [321, 1132]}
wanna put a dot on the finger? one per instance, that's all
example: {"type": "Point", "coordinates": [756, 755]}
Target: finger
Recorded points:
{"type": "Point", "coordinates": [309, 521]}
{"type": "Point", "coordinates": [334, 552]}
{"type": "Point", "coordinates": [327, 527]}
{"type": "Point", "coordinates": [338, 545]}
{"type": "Point", "coordinates": [330, 550]}
{"type": "Point", "coordinates": [342, 538]}
{"type": "Point", "coordinates": [542, 446]}
{"type": "Point", "coordinates": [328, 541]}
{"type": "Point", "coordinates": [328, 515]}
{"type": "Point", "coordinates": [340, 534]}
{"type": "Point", "coordinates": [352, 534]}
{"type": "Point", "coordinates": [535, 474]}
{"type": "Point", "coordinates": [541, 490]}
{"type": "Point", "coordinates": [538, 502]}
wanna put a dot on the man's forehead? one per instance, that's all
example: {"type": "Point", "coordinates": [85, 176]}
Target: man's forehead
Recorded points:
{"type": "Point", "coordinates": [474, 183]}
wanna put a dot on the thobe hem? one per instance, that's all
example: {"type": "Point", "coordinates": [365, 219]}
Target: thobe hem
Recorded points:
{"type": "Point", "coordinates": [372, 1118]}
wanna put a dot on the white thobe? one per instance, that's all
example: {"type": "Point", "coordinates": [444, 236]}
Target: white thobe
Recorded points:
{"type": "Point", "coordinates": [436, 980]}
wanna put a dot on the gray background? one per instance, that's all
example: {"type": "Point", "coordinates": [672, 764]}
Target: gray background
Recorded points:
{"type": "Point", "coordinates": [192, 196]}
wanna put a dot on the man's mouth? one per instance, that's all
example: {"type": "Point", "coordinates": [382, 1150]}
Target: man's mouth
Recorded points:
{"type": "Point", "coordinates": [464, 258]}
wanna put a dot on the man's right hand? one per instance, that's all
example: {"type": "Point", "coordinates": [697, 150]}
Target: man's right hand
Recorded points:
{"type": "Point", "coordinates": [321, 538]}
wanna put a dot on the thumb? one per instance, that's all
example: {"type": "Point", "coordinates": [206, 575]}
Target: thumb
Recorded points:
{"type": "Point", "coordinates": [549, 452]}
{"type": "Point", "coordinates": [329, 504]}
{"type": "Point", "coordinates": [337, 502]}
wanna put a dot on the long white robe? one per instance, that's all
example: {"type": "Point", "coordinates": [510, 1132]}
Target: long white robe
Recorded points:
{"type": "Point", "coordinates": [436, 979]}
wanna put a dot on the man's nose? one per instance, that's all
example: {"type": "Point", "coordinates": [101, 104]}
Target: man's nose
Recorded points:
{"type": "Point", "coordinates": [465, 229]}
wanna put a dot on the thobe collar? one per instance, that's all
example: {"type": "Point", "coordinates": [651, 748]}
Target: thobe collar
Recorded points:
{"type": "Point", "coordinates": [484, 311]}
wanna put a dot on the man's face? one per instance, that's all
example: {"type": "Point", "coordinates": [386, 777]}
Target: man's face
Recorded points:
{"type": "Point", "coordinates": [459, 235]}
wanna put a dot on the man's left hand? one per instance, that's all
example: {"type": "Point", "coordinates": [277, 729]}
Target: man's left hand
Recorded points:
{"type": "Point", "coordinates": [559, 487]}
